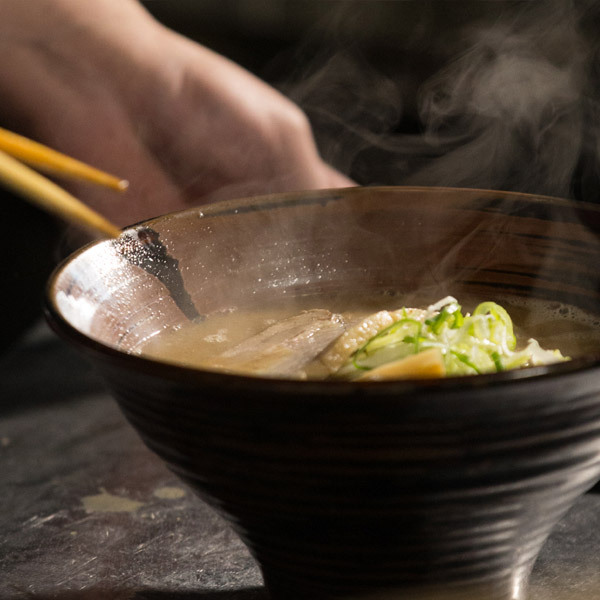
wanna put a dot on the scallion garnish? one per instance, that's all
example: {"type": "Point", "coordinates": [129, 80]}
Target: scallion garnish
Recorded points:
{"type": "Point", "coordinates": [481, 342]}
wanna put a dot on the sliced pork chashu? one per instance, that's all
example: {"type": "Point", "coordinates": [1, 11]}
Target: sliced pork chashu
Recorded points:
{"type": "Point", "coordinates": [285, 348]}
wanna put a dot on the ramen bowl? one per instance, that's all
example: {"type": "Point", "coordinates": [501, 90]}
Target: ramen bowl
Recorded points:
{"type": "Point", "coordinates": [442, 488]}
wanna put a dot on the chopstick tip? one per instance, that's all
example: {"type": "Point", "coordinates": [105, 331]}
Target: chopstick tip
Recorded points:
{"type": "Point", "coordinates": [122, 185]}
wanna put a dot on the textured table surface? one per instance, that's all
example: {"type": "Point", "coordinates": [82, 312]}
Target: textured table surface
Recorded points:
{"type": "Point", "coordinates": [87, 512]}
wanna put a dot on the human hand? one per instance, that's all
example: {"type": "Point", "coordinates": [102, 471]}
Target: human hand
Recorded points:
{"type": "Point", "coordinates": [110, 86]}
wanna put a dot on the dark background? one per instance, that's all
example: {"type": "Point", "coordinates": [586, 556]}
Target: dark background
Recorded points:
{"type": "Point", "coordinates": [356, 62]}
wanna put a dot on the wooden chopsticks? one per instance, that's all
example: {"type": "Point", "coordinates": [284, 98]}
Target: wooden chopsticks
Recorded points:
{"type": "Point", "coordinates": [23, 180]}
{"type": "Point", "coordinates": [50, 161]}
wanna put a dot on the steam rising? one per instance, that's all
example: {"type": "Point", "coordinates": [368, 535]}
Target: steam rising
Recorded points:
{"type": "Point", "coordinates": [517, 108]}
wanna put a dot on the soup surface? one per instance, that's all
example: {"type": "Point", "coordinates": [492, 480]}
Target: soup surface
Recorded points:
{"type": "Point", "coordinates": [253, 340]}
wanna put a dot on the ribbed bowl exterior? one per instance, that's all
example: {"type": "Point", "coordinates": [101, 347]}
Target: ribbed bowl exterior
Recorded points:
{"type": "Point", "coordinates": [420, 490]}
{"type": "Point", "coordinates": [344, 495]}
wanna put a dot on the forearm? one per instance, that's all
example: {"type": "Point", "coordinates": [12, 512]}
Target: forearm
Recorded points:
{"type": "Point", "coordinates": [55, 50]}
{"type": "Point", "coordinates": [60, 25]}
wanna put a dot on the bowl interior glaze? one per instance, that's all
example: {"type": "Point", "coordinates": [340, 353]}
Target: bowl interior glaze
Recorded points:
{"type": "Point", "coordinates": [341, 490]}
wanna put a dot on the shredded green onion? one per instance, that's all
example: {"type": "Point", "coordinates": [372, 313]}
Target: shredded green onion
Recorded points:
{"type": "Point", "coordinates": [481, 342]}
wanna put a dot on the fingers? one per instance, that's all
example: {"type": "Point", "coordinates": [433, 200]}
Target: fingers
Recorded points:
{"type": "Point", "coordinates": [223, 132]}
{"type": "Point", "coordinates": [332, 178]}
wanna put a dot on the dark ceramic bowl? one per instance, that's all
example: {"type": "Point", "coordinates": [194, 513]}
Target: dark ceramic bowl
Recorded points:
{"type": "Point", "coordinates": [406, 489]}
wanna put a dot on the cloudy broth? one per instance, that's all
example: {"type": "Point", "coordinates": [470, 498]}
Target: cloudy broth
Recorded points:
{"type": "Point", "coordinates": [573, 331]}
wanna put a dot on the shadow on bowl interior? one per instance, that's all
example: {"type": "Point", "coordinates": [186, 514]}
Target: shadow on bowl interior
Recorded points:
{"type": "Point", "coordinates": [405, 489]}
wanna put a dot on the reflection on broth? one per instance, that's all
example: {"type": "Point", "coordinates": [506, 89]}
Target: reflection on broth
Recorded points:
{"type": "Point", "coordinates": [367, 339]}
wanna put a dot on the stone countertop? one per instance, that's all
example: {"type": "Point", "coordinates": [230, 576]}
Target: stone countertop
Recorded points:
{"type": "Point", "coordinates": [88, 512]}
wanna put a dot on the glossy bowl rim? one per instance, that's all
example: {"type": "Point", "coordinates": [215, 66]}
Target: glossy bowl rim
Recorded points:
{"type": "Point", "coordinates": [177, 372]}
